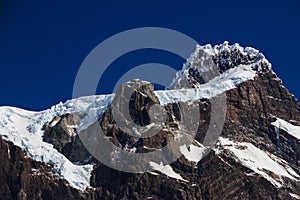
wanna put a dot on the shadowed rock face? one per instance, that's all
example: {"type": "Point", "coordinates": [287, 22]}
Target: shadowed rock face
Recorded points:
{"type": "Point", "coordinates": [130, 108]}
{"type": "Point", "coordinates": [61, 130]}
{"type": "Point", "coordinates": [22, 178]}
{"type": "Point", "coordinates": [251, 108]}
{"type": "Point", "coordinates": [61, 133]}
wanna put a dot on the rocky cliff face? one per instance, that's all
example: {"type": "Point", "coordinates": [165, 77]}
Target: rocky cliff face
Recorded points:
{"type": "Point", "coordinates": [256, 157]}
{"type": "Point", "coordinates": [22, 178]}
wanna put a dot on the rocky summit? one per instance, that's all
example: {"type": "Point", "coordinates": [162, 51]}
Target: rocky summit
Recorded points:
{"type": "Point", "coordinates": [226, 128]}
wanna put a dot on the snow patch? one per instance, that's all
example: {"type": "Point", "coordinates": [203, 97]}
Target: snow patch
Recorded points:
{"type": "Point", "coordinates": [295, 196]}
{"type": "Point", "coordinates": [194, 154]}
{"type": "Point", "coordinates": [166, 170]}
{"type": "Point", "coordinates": [287, 127]}
{"type": "Point", "coordinates": [259, 161]}
{"type": "Point", "coordinates": [54, 121]}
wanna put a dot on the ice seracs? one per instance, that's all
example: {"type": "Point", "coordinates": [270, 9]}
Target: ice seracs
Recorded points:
{"type": "Point", "coordinates": [207, 62]}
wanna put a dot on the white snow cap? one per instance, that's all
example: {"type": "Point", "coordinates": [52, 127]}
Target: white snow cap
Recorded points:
{"type": "Point", "coordinates": [208, 62]}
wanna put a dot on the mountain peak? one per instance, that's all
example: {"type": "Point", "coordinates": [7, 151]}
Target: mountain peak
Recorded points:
{"type": "Point", "coordinates": [209, 61]}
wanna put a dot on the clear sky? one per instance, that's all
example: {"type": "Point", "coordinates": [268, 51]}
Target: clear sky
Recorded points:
{"type": "Point", "coordinates": [43, 43]}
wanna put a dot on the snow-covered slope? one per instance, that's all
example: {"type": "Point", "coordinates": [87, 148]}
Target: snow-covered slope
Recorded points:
{"type": "Point", "coordinates": [259, 161]}
{"type": "Point", "coordinates": [218, 85]}
{"type": "Point", "coordinates": [24, 129]}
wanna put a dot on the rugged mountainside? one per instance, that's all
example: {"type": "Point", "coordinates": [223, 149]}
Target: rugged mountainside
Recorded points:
{"type": "Point", "coordinates": [255, 157]}
{"type": "Point", "coordinates": [24, 178]}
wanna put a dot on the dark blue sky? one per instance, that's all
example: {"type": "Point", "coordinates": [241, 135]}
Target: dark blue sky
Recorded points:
{"type": "Point", "coordinates": [43, 43]}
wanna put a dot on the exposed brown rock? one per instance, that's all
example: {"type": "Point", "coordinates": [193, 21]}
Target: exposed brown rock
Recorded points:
{"type": "Point", "coordinates": [22, 178]}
